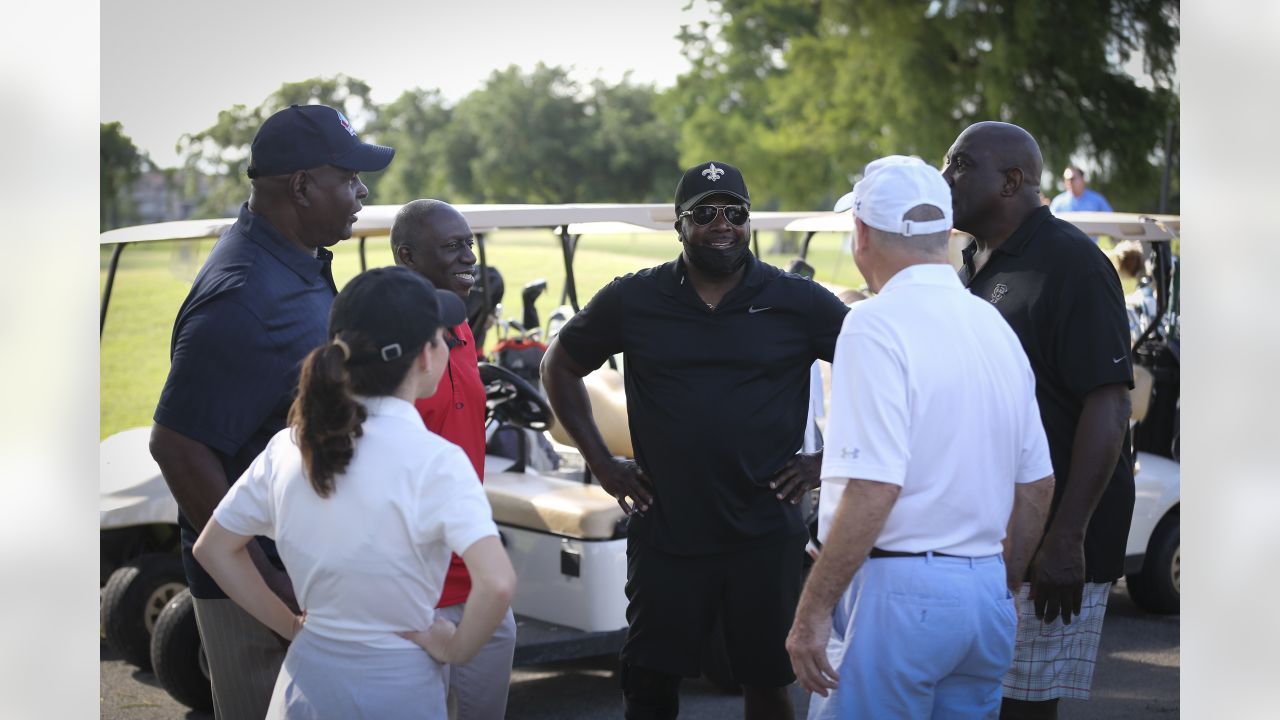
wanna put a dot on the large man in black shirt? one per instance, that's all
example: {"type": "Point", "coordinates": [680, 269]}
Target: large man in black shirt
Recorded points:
{"type": "Point", "coordinates": [717, 348]}
{"type": "Point", "coordinates": [1063, 299]}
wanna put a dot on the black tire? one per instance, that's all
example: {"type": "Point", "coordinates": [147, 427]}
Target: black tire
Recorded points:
{"type": "Point", "coordinates": [132, 600]}
{"type": "Point", "coordinates": [1157, 589]}
{"type": "Point", "coordinates": [177, 656]}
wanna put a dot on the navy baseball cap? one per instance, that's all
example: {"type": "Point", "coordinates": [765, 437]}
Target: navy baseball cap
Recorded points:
{"type": "Point", "coordinates": [302, 137]}
{"type": "Point", "coordinates": [395, 307]}
{"type": "Point", "coordinates": [710, 178]}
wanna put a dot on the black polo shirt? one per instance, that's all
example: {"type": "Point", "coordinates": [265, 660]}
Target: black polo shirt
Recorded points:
{"type": "Point", "coordinates": [1064, 301]}
{"type": "Point", "coordinates": [257, 307]}
{"type": "Point", "coordinates": [716, 399]}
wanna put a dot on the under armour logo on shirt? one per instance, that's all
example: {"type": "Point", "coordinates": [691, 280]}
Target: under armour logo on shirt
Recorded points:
{"type": "Point", "coordinates": [849, 454]}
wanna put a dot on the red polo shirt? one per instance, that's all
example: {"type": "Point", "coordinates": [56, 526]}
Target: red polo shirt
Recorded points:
{"type": "Point", "coordinates": [456, 413]}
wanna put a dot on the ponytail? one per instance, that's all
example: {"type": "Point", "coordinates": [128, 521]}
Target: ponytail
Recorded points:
{"type": "Point", "coordinates": [325, 416]}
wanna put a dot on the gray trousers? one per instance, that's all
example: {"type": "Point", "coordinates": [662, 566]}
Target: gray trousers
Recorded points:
{"type": "Point", "coordinates": [244, 659]}
{"type": "Point", "coordinates": [478, 689]}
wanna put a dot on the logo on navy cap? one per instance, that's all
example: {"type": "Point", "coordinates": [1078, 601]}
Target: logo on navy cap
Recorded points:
{"type": "Point", "coordinates": [345, 125]}
{"type": "Point", "coordinates": [713, 173]}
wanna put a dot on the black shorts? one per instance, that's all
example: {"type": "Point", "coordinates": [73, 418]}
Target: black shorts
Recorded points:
{"type": "Point", "coordinates": [674, 600]}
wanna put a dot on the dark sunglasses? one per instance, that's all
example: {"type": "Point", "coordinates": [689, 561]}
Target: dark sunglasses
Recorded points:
{"type": "Point", "coordinates": [706, 214]}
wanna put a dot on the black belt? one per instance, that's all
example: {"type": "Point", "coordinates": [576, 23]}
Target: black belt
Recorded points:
{"type": "Point", "coordinates": [878, 553]}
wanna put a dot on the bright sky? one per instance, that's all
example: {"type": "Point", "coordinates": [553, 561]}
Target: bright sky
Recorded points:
{"type": "Point", "coordinates": [169, 66]}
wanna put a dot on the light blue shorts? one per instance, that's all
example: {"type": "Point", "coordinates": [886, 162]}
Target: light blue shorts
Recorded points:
{"type": "Point", "coordinates": [921, 637]}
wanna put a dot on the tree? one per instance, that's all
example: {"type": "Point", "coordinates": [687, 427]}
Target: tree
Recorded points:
{"type": "Point", "coordinates": [522, 138]}
{"type": "Point", "coordinates": [416, 124]}
{"type": "Point", "coordinates": [804, 94]}
{"type": "Point", "coordinates": [119, 165]}
{"type": "Point", "coordinates": [222, 149]}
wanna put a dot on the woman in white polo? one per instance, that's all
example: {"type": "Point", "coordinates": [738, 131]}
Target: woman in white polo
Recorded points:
{"type": "Point", "coordinates": [365, 505]}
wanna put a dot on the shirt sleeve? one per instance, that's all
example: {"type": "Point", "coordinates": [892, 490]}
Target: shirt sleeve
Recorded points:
{"type": "Point", "coordinates": [827, 318]}
{"type": "Point", "coordinates": [594, 334]}
{"type": "Point", "coordinates": [467, 517]}
{"type": "Point", "coordinates": [248, 508]}
{"type": "Point", "coordinates": [225, 376]}
{"type": "Point", "coordinates": [867, 424]}
{"type": "Point", "coordinates": [1093, 328]}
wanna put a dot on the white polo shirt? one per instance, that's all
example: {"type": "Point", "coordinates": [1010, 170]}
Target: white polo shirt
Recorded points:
{"type": "Point", "coordinates": [931, 391]}
{"type": "Point", "coordinates": [370, 559]}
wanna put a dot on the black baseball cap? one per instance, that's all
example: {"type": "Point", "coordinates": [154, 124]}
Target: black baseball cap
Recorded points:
{"type": "Point", "coordinates": [710, 178]}
{"type": "Point", "coordinates": [396, 307]}
{"type": "Point", "coordinates": [302, 137]}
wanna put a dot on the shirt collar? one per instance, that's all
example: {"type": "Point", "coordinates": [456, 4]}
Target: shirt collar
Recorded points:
{"type": "Point", "coordinates": [939, 274]}
{"type": "Point", "coordinates": [1014, 245]}
{"type": "Point", "coordinates": [390, 406]}
{"type": "Point", "coordinates": [305, 265]}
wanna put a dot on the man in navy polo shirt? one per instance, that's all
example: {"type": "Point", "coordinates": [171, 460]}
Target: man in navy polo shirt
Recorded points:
{"type": "Point", "coordinates": [717, 348]}
{"type": "Point", "coordinates": [433, 239]}
{"type": "Point", "coordinates": [257, 307]}
{"type": "Point", "coordinates": [1063, 299]}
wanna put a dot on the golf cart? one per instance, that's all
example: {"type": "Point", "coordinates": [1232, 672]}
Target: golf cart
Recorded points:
{"type": "Point", "coordinates": [1152, 553]}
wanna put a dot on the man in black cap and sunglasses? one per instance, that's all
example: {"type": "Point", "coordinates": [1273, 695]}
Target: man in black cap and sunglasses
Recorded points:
{"type": "Point", "coordinates": [717, 348]}
{"type": "Point", "coordinates": [257, 307]}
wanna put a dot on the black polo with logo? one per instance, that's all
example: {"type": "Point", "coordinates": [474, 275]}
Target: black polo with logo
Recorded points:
{"type": "Point", "coordinates": [716, 399]}
{"type": "Point", "coordinates": [1063, 299]}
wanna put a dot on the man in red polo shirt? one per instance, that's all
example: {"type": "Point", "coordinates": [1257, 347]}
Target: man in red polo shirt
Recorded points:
{"type": "Point", "coordinates": [432, 238]}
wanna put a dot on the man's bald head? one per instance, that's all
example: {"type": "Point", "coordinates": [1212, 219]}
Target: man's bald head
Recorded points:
{"type": "Point", "coordinates": [994, 171]}
{"type": "Point", "coordinates": [433, 238]}
{"type": "Point", "coordinates": [1011, 146]}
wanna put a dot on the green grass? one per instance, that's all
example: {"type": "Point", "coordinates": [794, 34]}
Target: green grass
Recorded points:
{"type": "Point", "coordinates": [154, 278]}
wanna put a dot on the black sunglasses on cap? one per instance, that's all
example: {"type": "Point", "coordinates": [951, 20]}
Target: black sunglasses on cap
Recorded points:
{"type": "Point", "coordinates": [706, 214]}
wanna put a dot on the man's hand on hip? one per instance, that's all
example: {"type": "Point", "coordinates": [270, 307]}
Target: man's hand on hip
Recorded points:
{"type": "Point", "coordinates": [797, 477]}
{"type": "Point", "coordinates": [627, 483]}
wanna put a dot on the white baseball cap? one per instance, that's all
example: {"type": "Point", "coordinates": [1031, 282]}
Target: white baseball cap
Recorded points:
{"type": "Point", "coordinates": [893, 185]}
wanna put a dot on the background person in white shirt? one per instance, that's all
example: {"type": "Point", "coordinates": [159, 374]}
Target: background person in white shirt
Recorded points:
{"type": "Point", "coordinates": [365, 506]}
{"type": "Point", "coordinates": [936, 477]}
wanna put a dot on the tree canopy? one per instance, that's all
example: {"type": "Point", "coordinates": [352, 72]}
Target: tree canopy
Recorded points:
{"type": "Point", "coordinates": [800, 94]}
{"type": "Point", "coordinates": [803, 94]}
{"type": "Point", "coordinates": [119, 164]}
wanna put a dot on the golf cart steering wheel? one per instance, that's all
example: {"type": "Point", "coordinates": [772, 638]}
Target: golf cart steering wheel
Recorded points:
{"type": "Point", "coordinates": [512, 400]}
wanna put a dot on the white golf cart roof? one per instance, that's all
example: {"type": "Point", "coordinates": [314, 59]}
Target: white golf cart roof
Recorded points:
{"type": "Point", "coordinates": [1121, 226]}
{"type": "Point", "coordinates": [376, 220]}
{"type": "Point", "coordinates": [760, 220]}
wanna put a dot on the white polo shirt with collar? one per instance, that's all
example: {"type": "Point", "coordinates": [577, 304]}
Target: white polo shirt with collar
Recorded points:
{"type": "Point", "coordinates": [931, 391]}
{"type": "Point", "coordinates": [370, 559]}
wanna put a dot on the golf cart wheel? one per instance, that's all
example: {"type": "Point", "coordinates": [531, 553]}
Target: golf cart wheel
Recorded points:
{"type": "Point", "coordinates": [1157, 589]}
{"type": "Point", "coordinates": [132, 600]}
{"type": "Point", "coordinates": [178, 657]}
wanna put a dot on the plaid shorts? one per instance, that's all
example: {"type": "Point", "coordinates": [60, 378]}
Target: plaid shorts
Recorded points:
{"type": "Point", "coordinates": [1055, 660]}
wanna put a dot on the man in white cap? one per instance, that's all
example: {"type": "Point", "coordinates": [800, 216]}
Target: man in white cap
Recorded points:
{"type": "Point", "coordinates": [936, 479]}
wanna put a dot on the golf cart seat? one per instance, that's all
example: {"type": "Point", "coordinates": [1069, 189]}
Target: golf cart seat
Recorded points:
{"type": "Point", "coordinates": [552, 505]}
{"type": "Point", "coordinates": [609, 406]}
{"type": "Point", "coordinates": [1140, 395]}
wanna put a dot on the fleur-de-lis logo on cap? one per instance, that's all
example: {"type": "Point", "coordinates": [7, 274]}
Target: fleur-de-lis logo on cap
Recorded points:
{"type": "Point", "coordinates": [713, 173]}
{"type": "Point", "coordinates": [346, 125]}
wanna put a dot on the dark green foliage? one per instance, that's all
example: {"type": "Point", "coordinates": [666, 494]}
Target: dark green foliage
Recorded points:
{"type": "Point", "coordinates": [802, 94]}
{"type": "Point", "coordinates": [119, 164]}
